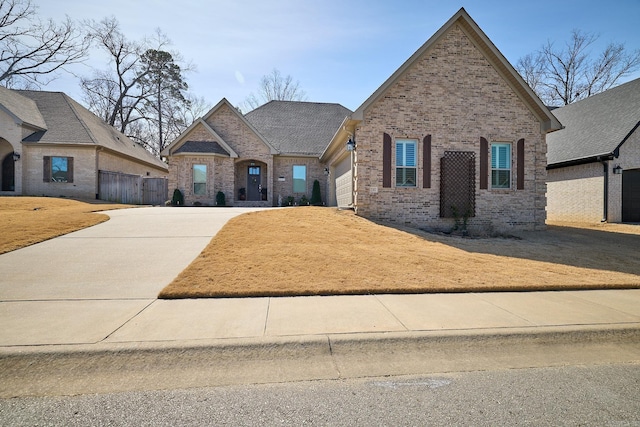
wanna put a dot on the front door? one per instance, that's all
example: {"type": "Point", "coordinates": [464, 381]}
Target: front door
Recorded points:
{"type": "Point", "coordinates": [254, 187]}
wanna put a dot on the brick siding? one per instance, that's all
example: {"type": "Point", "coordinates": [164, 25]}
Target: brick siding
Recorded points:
{"type": "Point", "coordinates": [284, 169]}
{"type": "Point", "coordinates": [454, 94]}
{"type": "Point", "coordinates": [576, 193]}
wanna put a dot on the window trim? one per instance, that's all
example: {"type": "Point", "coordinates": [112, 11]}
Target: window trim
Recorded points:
{"type": "Point", "coordinates": [293, 175]}
{"type": "Point", "coordinates": [494, 161]}
{"type": "Point", "coordinates": [404, 167]}
{"type": "Point", "coordinates": [47, 162]}
{"type": "Point", "coordinates": [193, 169]}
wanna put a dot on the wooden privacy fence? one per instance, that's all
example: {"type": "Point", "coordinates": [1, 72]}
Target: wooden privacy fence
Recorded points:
{"type": "Point", "coordinates": [132, 189]}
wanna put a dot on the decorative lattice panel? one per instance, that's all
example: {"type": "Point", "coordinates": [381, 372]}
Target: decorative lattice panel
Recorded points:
{"type": "Point", "coordinates": [458, 184]}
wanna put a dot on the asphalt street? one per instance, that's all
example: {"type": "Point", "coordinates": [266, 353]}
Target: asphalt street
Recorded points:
{"type": "Point", "coordinates": [599, 395]}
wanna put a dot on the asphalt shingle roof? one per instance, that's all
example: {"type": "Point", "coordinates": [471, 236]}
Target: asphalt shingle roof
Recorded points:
{"type": "Point", "coordinates": [596, 125]}
{"type": "Point", "coordinates": [23, 108]}
{"type": "Point", "coordinates": [68, 122]}
{"type": "Point", "coordinates": [211, 147]}
{"type": "Point", "coordinates": [295, 127]}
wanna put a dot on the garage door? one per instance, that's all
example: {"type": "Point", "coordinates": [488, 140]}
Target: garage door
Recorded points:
{"type": "Point", "coordinates": [631, 195]}
{"type": "Point", "coordinates": [344, 190]}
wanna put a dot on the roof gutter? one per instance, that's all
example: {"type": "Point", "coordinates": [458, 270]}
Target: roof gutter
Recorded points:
{"type": "Point", "coordinates": [582, 161]}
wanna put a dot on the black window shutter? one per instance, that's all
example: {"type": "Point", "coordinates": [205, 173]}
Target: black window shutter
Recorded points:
{"type": "Point", "coordinates": [386, 160]}
{"type": "Point", "coordinates": [484, 163]}
{"type": "Point", "coordinates": [520, 164]}
{"type": "Point", "coordinates": [426, 162]}
{"type": "Point", "coordinates": [69, 169]}
{"type": "Point", "coordinates": [46, 169]}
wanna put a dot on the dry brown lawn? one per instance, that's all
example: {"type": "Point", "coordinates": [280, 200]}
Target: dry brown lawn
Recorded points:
{"type": "Point", "coordinates": [25, 221]}
{"type": "Point", "coordinates": [324, 251]}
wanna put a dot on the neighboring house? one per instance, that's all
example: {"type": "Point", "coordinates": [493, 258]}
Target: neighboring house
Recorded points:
{"type": "Point", "coordinates": [453, 134]}
{"type": "Point", "coordinates": [52, 146]}
{"type": "Point", "coordinates": [594, 163]}
{"type": "Point", "coordinates": [257, 159]}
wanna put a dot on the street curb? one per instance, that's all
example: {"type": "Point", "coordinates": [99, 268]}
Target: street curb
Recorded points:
{"type": "Point", "coordinates": [116, 367]}
{"type": "Point", "coordinates": [565, 332]}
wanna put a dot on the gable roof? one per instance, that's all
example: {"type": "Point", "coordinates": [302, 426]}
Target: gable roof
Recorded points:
{"type": "Point", "coordinates": [205, 147]}
{"type": "Point", "coordinates": [175, 146]}
{"type": "Point", "coordinates": [68, 122]}
{"type": "Point", "coordinates": [183, 145]}
{"type": "Point", "coordinates": [23, 110]}
{"type": "Point", "coordinates": [548, 121]}
{"type": "Point", "coordinates": [296, 127]}
{"type": "Point", "coordinates": [244, 120]}
{"type": "Point", "coordinates": [595, 126]}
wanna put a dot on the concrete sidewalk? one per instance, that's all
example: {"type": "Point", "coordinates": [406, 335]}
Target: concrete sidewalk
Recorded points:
{"type": "Point", "coordinates": [110, 321]}
{"type": "Point", "coordinates": [94, 291]}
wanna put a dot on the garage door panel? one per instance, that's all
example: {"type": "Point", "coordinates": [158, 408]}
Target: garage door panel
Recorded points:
{"type": "Point", "coordinates": [344, 190]}
{"type": "Point", "coordinates": [631, 195]}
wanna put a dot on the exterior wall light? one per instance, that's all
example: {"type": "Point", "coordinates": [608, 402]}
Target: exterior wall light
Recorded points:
{"type": "Point", "coordinates": [326, 171]}
{"type": "Point", "coordinates": [351, 145]}
{"type": "Point", "coordinates": [617, 170]}
{"type": "Point", "coordinates": [16, 156]}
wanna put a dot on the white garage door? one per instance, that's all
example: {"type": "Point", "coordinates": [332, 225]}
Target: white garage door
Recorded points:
{"type": "Point", "coordinates": [344, 190]}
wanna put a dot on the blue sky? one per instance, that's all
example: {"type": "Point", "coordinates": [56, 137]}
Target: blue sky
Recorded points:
{"type": "Point", "coordinates": [340, 51]}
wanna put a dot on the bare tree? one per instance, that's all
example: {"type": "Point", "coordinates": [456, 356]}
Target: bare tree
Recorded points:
{"type": "Point", "coordinates": [143, 88]}
{"type": "Point", "coordinates": [274, 86]}
{"type": "Point", "coordinates": [564, 75]}
{"type": "Point", "coordinates": [178, 117]}
{"type": "Point", "coordinates": [32, 51]}
{"type": "Point", "coordinates": [182, 115]}
{"type": "Point", "coordinates": [113, 94]}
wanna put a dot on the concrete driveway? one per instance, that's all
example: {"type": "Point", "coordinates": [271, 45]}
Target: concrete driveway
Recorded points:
{"type": "Point", "coordinates": [102, 275]}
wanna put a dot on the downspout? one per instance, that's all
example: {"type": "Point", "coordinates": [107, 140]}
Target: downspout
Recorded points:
{"type": "Point", "coordinates": [98, 150]}
{"type": "Point", "coordinates": [605, 207]}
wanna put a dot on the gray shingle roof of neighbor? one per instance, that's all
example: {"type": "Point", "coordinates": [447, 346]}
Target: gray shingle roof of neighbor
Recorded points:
{"type": "Point", "coordinates": [68, 122]}
{"type": "Point", "coordinates": [296, 127]}
{"type": "Point", "coordinates": [23, 108]}
{"type": "Point", "coordinates": [595, 126]}
{"type": "Point", "coordinates": [209, 147]}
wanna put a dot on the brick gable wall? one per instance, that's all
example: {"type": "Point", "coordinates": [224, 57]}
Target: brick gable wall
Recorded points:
{"type": "Point", "coordinates": [245, 143]}
{"type": "Point", "coordinates": [453, 94]}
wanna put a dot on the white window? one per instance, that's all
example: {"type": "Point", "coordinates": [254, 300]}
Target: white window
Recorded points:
{"type": "Point", "coordinates": [299, 179]}
{"type": "Point", "coordinates": [406, 170]}
{"type": "Point", "coordinates": [200, 179]}
{"type": "Point", "coordinates": [500, 165]}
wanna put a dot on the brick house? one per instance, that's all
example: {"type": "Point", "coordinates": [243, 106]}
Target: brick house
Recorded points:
{"type": "Point", "coordinates": [453, 134]}
{"type": "Point", "coordinates": [594, 162]}
{"type": "Point", "coordinates": [257, 159]}
{"type": "Point", "coordinates": [52, 146]}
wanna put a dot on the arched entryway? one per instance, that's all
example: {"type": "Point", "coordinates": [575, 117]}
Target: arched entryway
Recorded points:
{"type": "Point", "coordinates": [8, 173]}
